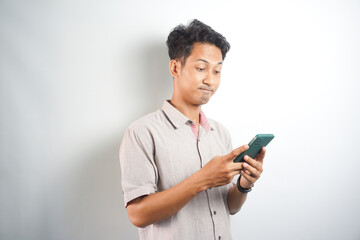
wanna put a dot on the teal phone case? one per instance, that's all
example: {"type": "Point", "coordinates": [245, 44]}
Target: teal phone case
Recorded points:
{"type": "Point", "coordinates": [255, 145]}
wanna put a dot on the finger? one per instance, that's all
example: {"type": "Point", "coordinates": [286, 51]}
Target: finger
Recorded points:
{"type": "Point", "coordinates": [236, 166]}
{"type": "Point", "coordinates": [248, 177]}
{"type": "Point", "coordinates": [236, 152]}
{"type": "Point", "coordinates": [251, 171]}
{"type": "Point", "coordinates": [261, 155]}
{"type": "Point", "coordinates": [234, 173]}
{"type": "Point", "coordinates": [248, 172]}
{"type": "Point", "coordinates": [253, 163]}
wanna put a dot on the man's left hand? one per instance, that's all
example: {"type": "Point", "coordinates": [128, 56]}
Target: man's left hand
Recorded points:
{"type": "Point", "coordinates": [252, 169]}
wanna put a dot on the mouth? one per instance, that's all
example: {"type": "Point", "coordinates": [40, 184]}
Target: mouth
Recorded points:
{"type": "Point", "coordinates": [206, 90]}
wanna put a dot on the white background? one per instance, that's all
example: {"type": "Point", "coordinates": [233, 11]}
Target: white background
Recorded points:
{"type": "Point", "coordinates": [75, 74]}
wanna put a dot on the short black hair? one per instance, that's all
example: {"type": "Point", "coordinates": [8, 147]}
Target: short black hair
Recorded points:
{"type": "Point", "coordinates": [182, 38]}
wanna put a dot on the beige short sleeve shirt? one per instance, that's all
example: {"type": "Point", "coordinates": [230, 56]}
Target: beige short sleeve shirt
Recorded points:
{"type": "Point", "coordinates": [159, 151]}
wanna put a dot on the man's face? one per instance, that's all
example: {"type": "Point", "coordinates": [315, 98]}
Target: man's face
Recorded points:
{"type": "Point", "coordinates": [199, 77]}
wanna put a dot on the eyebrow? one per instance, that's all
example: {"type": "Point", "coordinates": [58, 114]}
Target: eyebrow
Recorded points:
{"type": "Point", "coordinates": [203, 60]}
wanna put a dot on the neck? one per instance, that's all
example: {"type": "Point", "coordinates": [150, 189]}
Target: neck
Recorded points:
{"type": "Point", "coordinates": [191, 111]}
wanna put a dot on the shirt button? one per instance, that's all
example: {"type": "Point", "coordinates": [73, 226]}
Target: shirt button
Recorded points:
{"type": "Point", "coordinates": [219, 237]}
{"type": "Point", "coordinates": [214, 212]}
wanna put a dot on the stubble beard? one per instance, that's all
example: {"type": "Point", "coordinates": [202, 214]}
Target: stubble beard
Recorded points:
{"type": "Point", "coordinates": [204, 99]}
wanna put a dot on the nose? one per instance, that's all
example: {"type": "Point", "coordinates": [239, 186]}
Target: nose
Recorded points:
{"type": "Point", "coordinates": [209, 79]}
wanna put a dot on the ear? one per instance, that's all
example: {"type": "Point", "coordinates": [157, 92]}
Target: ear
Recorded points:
{"type": "Point", "coordinates": [174, 67]}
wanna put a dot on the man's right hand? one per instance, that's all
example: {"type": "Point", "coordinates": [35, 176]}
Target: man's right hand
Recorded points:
{"type": "Point", "coordinates": [221, 170]}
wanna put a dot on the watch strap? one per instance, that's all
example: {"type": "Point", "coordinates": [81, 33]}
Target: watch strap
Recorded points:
{"type": "Point", "coordinates": [243, 190]}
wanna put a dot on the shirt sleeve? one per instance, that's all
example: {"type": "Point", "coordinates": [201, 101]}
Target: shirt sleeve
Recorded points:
{"type": "Point", "coordinates": [138, 169]}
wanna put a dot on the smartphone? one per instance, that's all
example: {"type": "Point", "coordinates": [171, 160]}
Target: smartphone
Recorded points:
{"type": "Point", "coordinates": [255, 145]}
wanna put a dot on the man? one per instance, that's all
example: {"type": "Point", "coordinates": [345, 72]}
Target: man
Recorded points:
{"type": "Point", "coordinates": [177, 165]}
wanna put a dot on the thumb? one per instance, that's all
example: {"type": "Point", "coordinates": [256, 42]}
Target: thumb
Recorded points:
{"type": "Point", "coordinates": [236, 152]}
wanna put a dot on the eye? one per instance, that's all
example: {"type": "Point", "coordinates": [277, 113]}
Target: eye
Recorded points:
{"type": "Point", "coordinates": [217, 72]}
{"type": "Point", "coordinates": [200, 69]}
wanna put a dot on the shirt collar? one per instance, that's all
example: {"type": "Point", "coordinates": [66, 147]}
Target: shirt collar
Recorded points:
{"type": "Point", "coordinates": [178, 119]}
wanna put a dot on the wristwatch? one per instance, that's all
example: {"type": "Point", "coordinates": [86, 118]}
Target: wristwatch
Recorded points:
{"type": "Point", "coordinates": [243, 190]}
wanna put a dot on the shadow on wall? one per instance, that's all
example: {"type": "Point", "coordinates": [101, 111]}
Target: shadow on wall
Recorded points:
{"type": "Point", "coordinates": [97, 209]}
{"type": "Point", "coordinates": [155, 79]}
{"type": "Point", "coordinates": [94, 203]}
{"type": "Point", "coordinates": [158, 79]}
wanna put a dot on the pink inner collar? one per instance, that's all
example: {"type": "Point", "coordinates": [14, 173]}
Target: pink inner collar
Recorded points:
{"type": "Point", "coordinates": [203, 122]}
